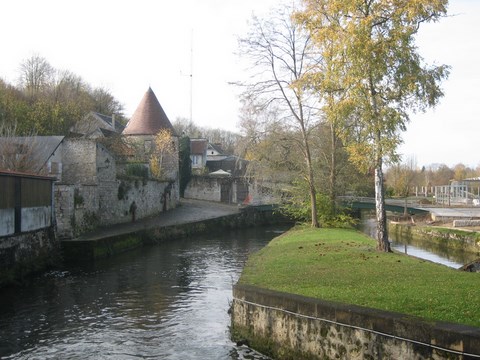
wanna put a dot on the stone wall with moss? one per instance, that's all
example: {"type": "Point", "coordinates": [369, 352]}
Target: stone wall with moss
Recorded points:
{"type": "Point", "coordinates": [287, 326]}
{"type": "Point", "coordinates": [83, 208]}
{"type": "Point", "coordinates": [26, 253]}
{"type": "Point", "coordinates": [95, 192]}
{"type": "Point", "coordinates": [150, 197]}
{"type": "Point", "coordinates": [446, 238]}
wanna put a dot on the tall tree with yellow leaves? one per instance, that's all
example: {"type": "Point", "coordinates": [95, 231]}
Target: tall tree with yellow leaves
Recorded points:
{"type": "Point", "coordinates": [374, 71]}
{"type": "Point", "coordinates": [163, 152]}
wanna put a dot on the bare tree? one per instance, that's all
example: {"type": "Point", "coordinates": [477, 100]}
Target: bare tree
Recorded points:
{"type": "Point", "coordinates": [401, 178]}
{"type": "Point", "coordinates": [105, 102]}
{"type": "Point", "coordinates": [279, 53]}
{"type": "Point", "coordinates": [18, 153]}
{"type": "Point", "coordinates": [35, 73]}
{"type": "Point", "coordinates": [227, 139]}
{"type": "Point", "coordinates": [268, 145]}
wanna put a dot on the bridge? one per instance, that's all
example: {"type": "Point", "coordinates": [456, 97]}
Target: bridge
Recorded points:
{"type": "Point", "coordinates": [392, 205]}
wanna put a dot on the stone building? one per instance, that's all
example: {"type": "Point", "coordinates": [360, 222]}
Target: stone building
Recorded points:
{"type": "Point", "coordinates": [198, 155]}
{"type": "Point", "coordinates": [95, 125]}
{"type": "Point", "coordinates": [107, 174]}
{"type": "Point", "coordinates": [147, 131]}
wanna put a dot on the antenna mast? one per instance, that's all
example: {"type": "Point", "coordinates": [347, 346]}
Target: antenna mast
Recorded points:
{"type": "Point", "coordinates": [191, 76]}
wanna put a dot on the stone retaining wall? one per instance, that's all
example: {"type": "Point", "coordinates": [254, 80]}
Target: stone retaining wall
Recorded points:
{"type": "Point", "coordinates": [466, 223]}
{"type": "Point", "coordinates": [82, 250]}
{"type": "Point", "coordinates": [25, 253]}
{"type": "Point", "coordinates": [81, 208]}
{"type": "Point", "coordinates": [452, 239]}
{"type": "Point", "coordinates": [288, 326]}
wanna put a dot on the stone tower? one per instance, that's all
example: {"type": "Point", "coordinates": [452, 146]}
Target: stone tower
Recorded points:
{"type": "Point", "coordinates": [148, 120]}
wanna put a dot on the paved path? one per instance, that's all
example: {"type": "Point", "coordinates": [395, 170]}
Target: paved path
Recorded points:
{"type": "Point", "coordinates": [460, 213]}
{"type": "Point", "coordinates": [188, 211]}
{"type": "Point", "coordinates": [438, 212]}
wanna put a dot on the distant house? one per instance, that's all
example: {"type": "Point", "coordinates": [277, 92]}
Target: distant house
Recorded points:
{"type": "Point", "coordinates": [95, 125]}
{"type": "Point", "coordinates": [229, 163]}
{"type": "Point", "coordinates": [211, 157]}
{"type": "Point", "coordinates": [198, 154]}
{"type": "Point", "coordinates": [223, 179]}
{"type": "Point", "coordinates": [215, 150]}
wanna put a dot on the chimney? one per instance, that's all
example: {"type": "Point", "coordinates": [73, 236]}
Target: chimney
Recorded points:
{"type": "Point", "coordinates": [113, 122]}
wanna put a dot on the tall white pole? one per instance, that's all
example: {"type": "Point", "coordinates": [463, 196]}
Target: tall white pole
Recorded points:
{"type": "Point", "coordinates": [191, 76]}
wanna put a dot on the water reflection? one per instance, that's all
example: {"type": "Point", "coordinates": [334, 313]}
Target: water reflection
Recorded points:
{"type": "Point", "coordinates": [424, 254]}
{"type": "Point", "coordinates": [162, 302]}
{"type": "Point", "coordinates": [439, 251]}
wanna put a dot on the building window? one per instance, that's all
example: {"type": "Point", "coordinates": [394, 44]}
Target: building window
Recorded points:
{"type": "Point", "coordinates": [196, 160]}
{"type": "Point", "coordinates": [148, 146]}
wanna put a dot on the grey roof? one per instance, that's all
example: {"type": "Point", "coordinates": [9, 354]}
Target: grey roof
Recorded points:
{"type": "Point", "coordinates": [40, 148]}
{"type": "Point", "coordinates": [216, 147]}
{"type": "Point", "coordinates": [108, 119]}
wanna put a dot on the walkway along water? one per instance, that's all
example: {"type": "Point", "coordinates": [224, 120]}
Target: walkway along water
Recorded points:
{"type": "Point", "coordinates": [190, 217]}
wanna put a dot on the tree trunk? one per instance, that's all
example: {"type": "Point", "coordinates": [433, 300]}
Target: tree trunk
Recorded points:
{"type": "Point", "coordinates": [308, 160]}
{"type": "Point", "coordinates": [333, 168]}
{"type": "Point", "coordinates": [314, 212]}
{"type": "Point", "coordinates": [382, 234]}
{"type": "Point", "coordinates": [311, 186]}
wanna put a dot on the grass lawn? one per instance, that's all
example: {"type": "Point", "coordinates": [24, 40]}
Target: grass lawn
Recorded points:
{"type": "Point", "coordinates": [343, 265]}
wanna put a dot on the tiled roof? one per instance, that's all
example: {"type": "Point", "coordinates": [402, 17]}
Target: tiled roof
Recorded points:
{"type": "Point", "coordinates": [198, 146]}
{"type": "Point", "coordinates": [149, 118]}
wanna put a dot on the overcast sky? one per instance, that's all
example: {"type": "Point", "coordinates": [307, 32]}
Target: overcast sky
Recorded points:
{"type": "Point", "coordinates": [127, 46]}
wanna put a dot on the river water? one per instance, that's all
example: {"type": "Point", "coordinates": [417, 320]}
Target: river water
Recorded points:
{"type": "Point", "coordinates": [167, 301]}
{"type": "Point", "coordinates": [436, 252]}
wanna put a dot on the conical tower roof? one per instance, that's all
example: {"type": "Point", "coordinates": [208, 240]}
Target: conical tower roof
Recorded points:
{"type": "Point", "coordinates": [149, 118]}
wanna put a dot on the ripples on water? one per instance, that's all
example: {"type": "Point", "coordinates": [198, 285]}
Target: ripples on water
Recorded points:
{"type": "Point", "coordinates": [159, 302]}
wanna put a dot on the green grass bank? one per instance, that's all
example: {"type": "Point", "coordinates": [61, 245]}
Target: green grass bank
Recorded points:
{"type": "Point", "coordinates": [343, 266]}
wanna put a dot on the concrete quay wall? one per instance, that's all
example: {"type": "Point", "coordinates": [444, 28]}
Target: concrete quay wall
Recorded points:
{"type": "Point", "coordinates": [288, 326]}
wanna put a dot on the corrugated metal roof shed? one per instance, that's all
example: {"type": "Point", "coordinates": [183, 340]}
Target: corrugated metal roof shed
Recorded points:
{"type": "Point", "coordinates": [38, 148]}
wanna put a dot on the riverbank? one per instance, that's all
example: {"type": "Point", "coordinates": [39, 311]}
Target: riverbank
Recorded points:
{"type": "Point", "coordinates": [342, 267]}
{"type": "Point", "coordinates": [461, 245]}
